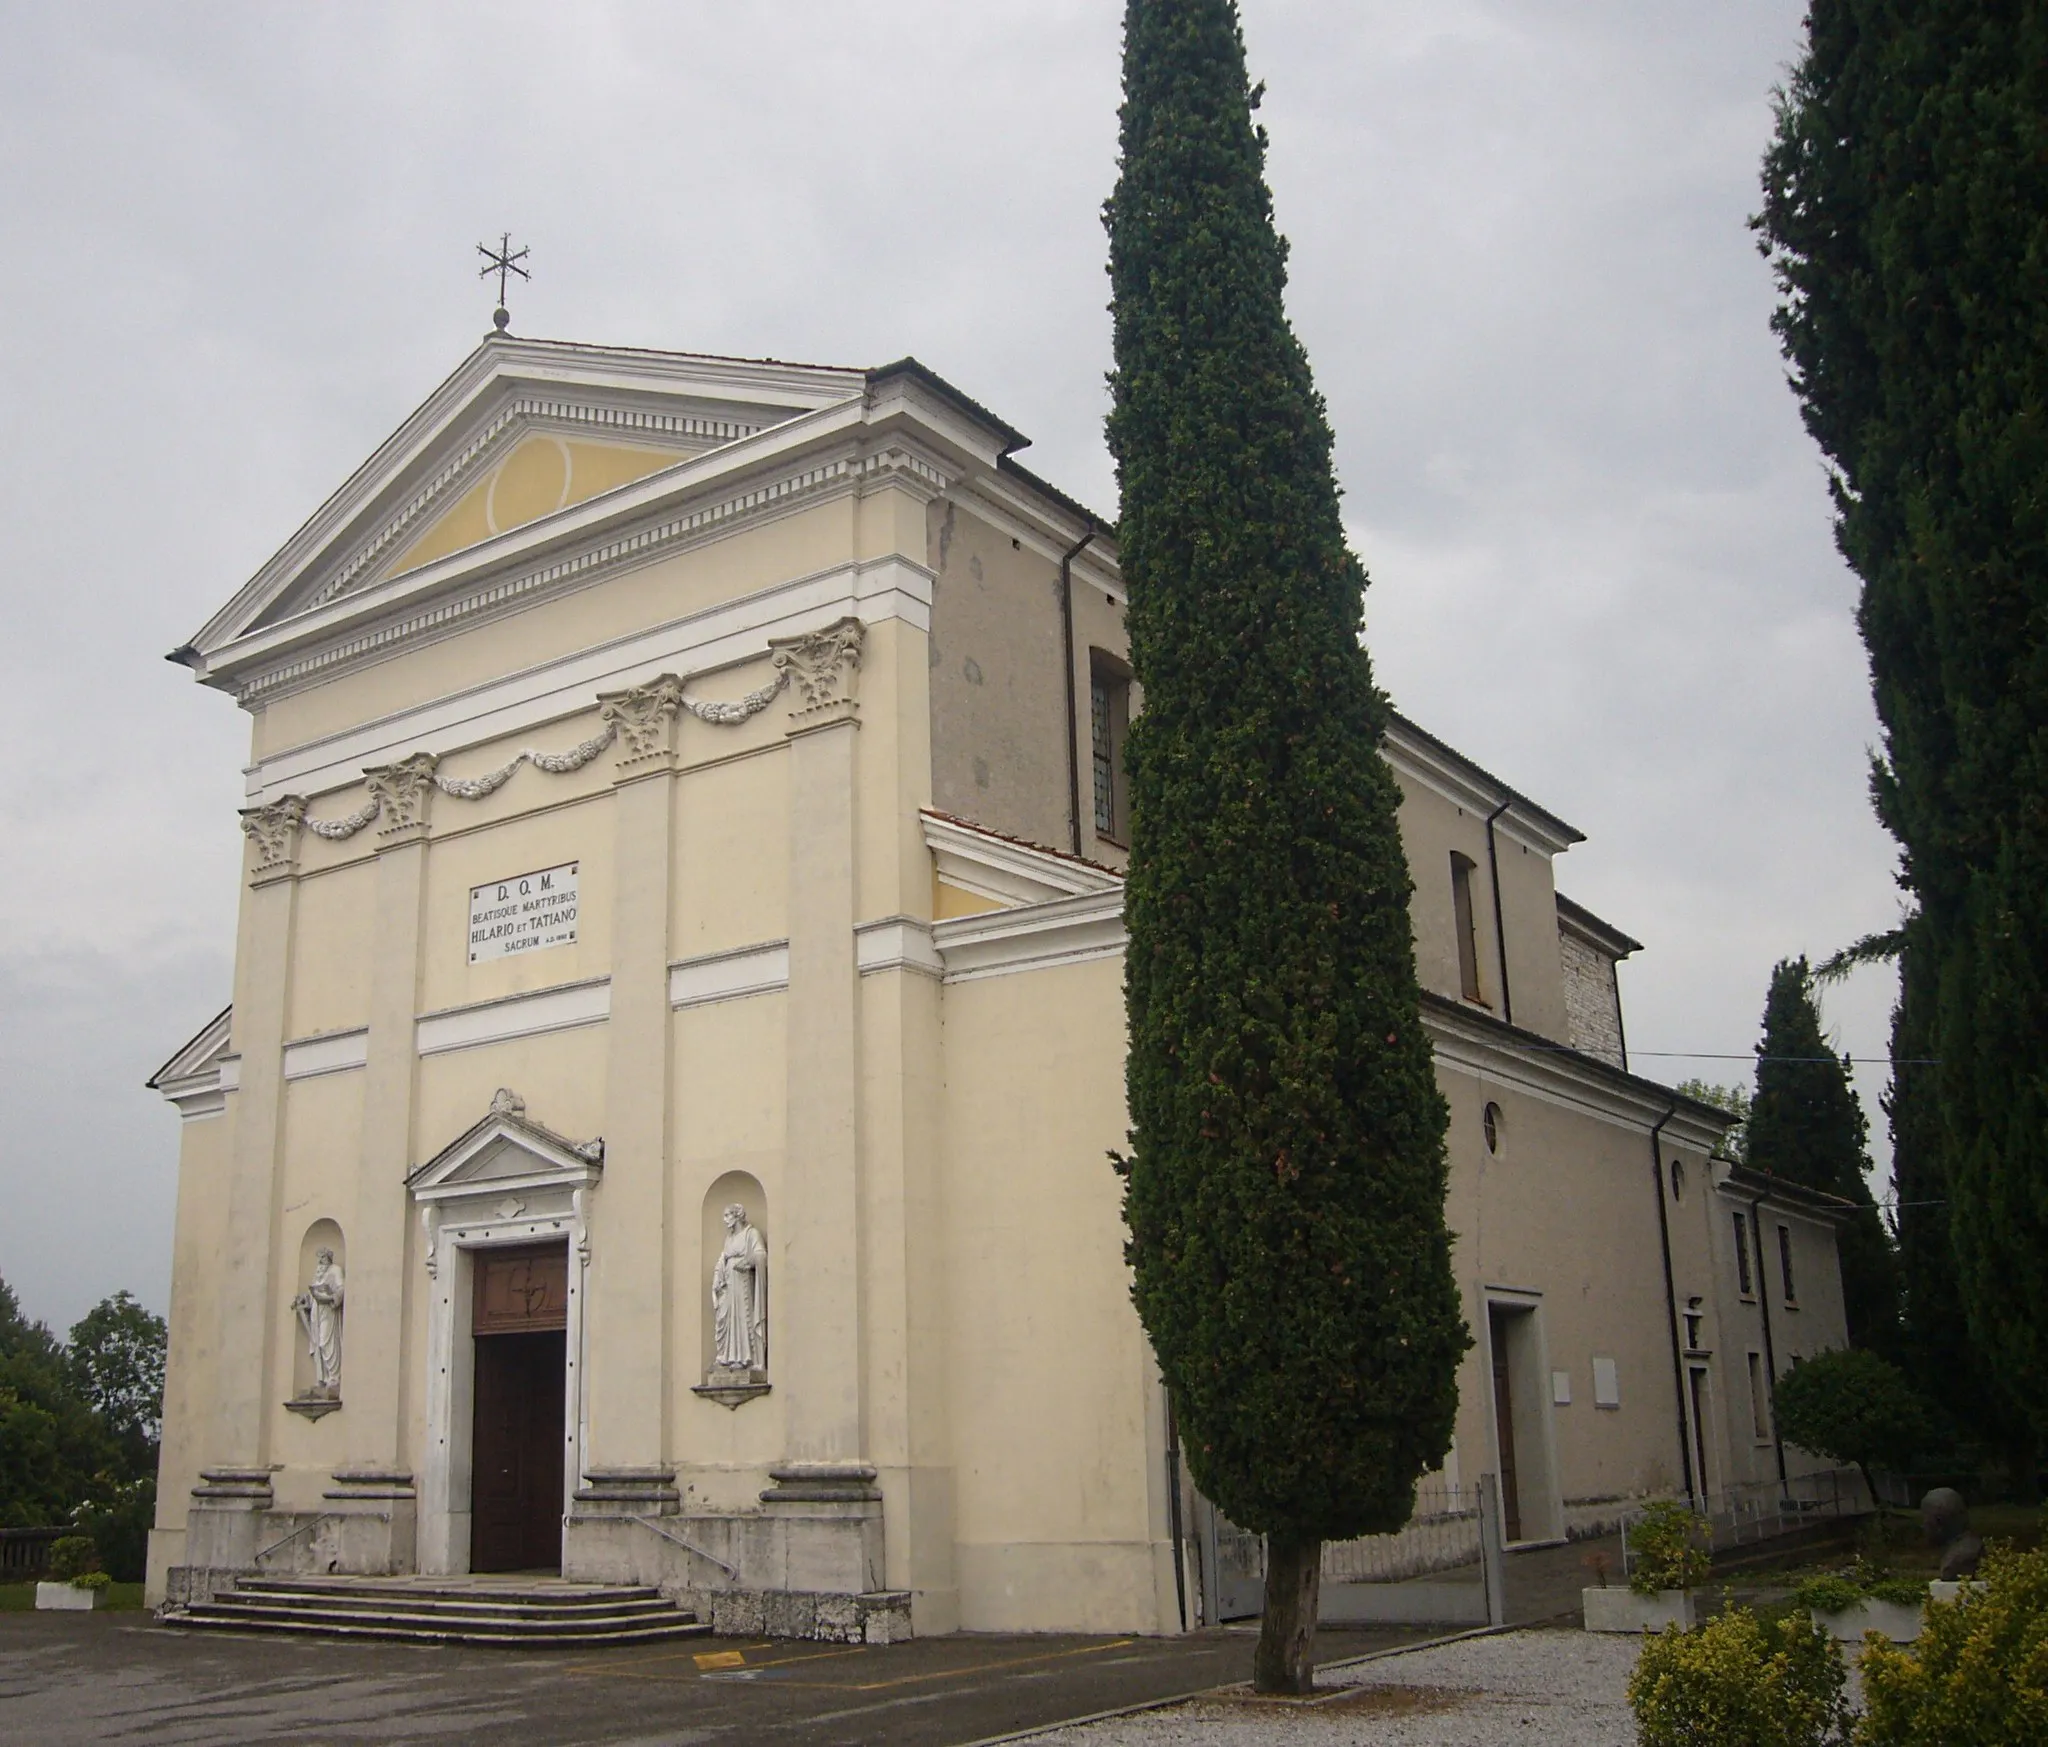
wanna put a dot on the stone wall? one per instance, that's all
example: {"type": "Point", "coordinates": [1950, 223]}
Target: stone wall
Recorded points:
{"type": "Point", "coordinates": [1592, 1002]}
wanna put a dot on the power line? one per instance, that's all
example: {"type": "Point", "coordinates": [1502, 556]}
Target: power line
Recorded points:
{"type": "Point", "coordinates": [1709, 1055]}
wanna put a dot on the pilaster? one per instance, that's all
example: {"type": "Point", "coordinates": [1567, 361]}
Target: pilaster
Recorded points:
{"type": "Point", "coordinates": [818, 1273]}
{"type": "Point", "coordinates": [248, 1321]}
{"type": "Point", "coordinates": [626, 1463]}
{"type": "Point", "coordinates": [375, 1479]}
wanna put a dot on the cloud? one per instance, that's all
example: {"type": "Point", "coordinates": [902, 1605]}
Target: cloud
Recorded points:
{"type": "Point", "coordinates": [238, 247]}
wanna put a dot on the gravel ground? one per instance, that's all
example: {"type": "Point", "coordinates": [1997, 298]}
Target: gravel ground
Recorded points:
{"type": "Point", "coordinates": [1516, 1689]}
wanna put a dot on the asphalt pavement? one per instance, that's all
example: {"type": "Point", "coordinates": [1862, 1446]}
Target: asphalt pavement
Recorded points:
{"type": "Point", "coordinates": [121, 1678]}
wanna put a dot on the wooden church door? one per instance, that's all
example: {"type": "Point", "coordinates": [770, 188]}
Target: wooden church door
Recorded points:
{"type": "Point", "coordinates": [519, 1323]}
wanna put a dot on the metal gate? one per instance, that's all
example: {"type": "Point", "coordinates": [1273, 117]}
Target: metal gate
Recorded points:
{"type": "Point", "coordinates": [1443, 1568]}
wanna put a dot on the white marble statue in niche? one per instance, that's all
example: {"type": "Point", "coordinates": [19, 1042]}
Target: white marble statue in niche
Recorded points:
{"type": "Point", "coordinates": [319, 1313]}
{"type": "Point", "coordinates": [739, 1296]}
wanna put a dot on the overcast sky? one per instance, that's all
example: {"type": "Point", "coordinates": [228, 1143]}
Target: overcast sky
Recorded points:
{"type": "Point", "coordinates": [236, 249]}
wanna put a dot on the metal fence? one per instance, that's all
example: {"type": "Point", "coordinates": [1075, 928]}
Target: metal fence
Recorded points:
{"type": "Point", "coordinates": [1761, 1510]}
{"type": "Point", "coordinates": [1442, 1567]}
{"type": "Point", "coordinates": [1442, 1535]}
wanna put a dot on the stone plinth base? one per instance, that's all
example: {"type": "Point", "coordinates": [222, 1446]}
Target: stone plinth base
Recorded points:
{"type": "Point", "coordinates": [807, 1564]}
{"type": "Point", "coordinates": [880, 1617]}
{"type": "Point", "coordinates": [627, 1492]}
{"type": "Point", "coordinates": [228, 1522]}
{"type": "Point", "coordinates": [368, 1528]}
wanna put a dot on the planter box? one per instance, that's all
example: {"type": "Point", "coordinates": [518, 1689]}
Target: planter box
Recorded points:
{"type": "Point", "coordinates": [66, 1596]}
{"type": "Point", "coordinates": [1622, 1610]}
{"type": "Point", "coordinates": [1896, 1620]}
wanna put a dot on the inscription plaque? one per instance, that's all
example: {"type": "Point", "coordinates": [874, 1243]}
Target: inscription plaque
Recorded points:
{"type": "Point", "coordinates": [526, 913]}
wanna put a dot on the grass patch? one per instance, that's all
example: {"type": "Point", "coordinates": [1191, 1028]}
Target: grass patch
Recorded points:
{"type": "Point", "coordinates": [20, 1598]}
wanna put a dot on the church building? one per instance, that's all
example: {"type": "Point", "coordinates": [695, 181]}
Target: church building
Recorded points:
{"type": "Point", "coordinates": [660, 1130]}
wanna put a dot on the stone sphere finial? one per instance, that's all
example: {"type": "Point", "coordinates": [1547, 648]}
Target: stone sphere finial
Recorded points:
{"type": "Point", "coordinates": [1946, 1519]}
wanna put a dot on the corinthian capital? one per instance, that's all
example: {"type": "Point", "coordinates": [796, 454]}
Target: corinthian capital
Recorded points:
{"type": "Point", "coordinates": [275, 832]}
{"type": "Point", "coordinates": [401, 791]}
{"type": "Point", "coordinates": [643, 716]}
{"type": "Point", "coordinates": [821, 666]}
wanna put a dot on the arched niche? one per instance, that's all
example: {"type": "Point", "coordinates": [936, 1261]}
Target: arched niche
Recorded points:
{"type": "Point", "coordinates": [322, 1234]}
{"type": "Point", "coordinates": [745, 1189]}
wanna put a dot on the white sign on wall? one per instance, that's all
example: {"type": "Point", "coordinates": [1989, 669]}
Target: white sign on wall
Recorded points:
{"type": "Point", "coordinates": [523, 914]}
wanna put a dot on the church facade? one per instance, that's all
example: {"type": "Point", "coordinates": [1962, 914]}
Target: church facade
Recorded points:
{"type": "Point", "coordinates": [660, 1128]}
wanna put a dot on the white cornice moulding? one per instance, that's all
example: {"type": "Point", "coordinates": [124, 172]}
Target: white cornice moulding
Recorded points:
{"type": "Point", "coordinates": [1447, 773]}
{"type": "Point", "coordinates": [1014, 508]}
{"type": "Point", "coordinates": [230, 1071]}
{"type": "Point", "coordinates": [1032, 937]}
{"type": "Point", "coordinates": [191, 1081]}
{"type": "Point", "coordinates": [896, 943]}
{"type": "Point", "coordinates": [498, 370]}
{"type": "Point", "coordinates": [330, 1052]}
{"type": "Point", "coordinates": [563, 1008]}
{"type": "Point", "coordinates": [1563, 1077]}
{"type": "Point", "coordinates": [729, 976]}
{"type": "Point", "coordinates": [575, 549]}
{"type": "Point", "coordinates": [1003, 870]}
{"type": "Point", "coordinates": [697, 645]}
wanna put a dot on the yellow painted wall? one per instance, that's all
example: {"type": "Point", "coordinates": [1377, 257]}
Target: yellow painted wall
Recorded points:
{"type": "Point", "coordinates": [759, 556]}
{"type": "Point", "coordinates": [541, 474]}
{"type": "Point", "coordinates": [1049, 1374]}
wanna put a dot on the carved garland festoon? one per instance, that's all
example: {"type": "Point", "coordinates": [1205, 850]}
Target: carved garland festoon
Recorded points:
{"type": "Point", "coordinates": [820, 665]}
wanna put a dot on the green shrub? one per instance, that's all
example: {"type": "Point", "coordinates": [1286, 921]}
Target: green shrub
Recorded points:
{"type": "Point", "coordinates": [1849, 1405]}
{"type": "Point", "coordinates": [72, 1556]}
{"type": "Point", "coordinates": [92, 1580]}
{"type": "Point", "coordinates": [1670, 1548]}
{"type": "Point", "coordinates": [1831, 1593]}
{"type": "Point", "coordinates": [1905, 1591]}
{"type": "Point", "coordinates": [1977, 1677]}
{"type": "Point", "coordinates": [1737, 1682]}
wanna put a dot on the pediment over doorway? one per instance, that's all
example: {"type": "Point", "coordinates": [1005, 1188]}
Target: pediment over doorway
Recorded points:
{"type": "Point", "coordinates": [506, 1153]}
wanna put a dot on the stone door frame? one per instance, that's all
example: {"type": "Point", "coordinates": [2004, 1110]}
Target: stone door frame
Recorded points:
{"type": "Point", "coordinates": [504, 1183]}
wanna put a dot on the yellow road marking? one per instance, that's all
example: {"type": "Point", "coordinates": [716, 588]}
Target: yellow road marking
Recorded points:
{"type": "Point", "coordinates": [718, 1662]}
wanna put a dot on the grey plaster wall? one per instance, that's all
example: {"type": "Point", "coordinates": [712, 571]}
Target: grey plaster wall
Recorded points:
{"type": "Point", "coordinates": [998, 694]}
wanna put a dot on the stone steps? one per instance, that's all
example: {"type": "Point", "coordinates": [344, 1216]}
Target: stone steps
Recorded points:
{"type": "Point", "coordinates": [541, 1614]}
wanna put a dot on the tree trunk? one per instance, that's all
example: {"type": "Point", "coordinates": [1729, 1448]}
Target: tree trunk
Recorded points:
{"type": "Point", "coordinates": [1285, 1661]}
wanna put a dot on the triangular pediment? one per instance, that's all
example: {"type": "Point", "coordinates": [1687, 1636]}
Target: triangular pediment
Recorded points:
{"type": "Point", "coordinates": [201, 1053]}
{"type": "Point", "coordinates": [523, 430]}
{"type": "Point", "coordinates": [505, 1151]}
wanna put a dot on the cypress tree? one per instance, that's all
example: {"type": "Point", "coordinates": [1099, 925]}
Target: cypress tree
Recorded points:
{"type": "Point", "coordinates": [1906, 212]}
{"type": "Point", "coordinates": [1285, 1187]}
{"type": "Point", "coordinates": [1806, 1126]}
{"type": "Point", "coordinates": [1934, 1339]}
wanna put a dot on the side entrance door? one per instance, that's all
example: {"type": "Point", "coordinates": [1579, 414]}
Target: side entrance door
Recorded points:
{"type": "Point", "coordinates": [519, 1323]}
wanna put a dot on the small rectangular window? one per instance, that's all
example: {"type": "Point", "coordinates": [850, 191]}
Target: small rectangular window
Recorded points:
{"type": "Point", "coordinates": [1463, 922]}
{"type": "Point", "coordinates": [1759, 1398]}
{"type": "Point", "coordinates": [1785, 1263]}
{"type": "Point", "coordinates": [1743, 1279]}
{"type": "Point", "coordinates": [1109, 716]}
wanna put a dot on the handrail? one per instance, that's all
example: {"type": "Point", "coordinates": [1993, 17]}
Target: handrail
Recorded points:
{"type": "Point", "coordinates": [325, 1516]}
{"type": "Point", "coordinates": [667, 1534]}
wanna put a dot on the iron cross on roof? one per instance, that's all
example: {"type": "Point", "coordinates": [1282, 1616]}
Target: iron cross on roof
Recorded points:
{"type": "Point", "coordinates": [501, 261]}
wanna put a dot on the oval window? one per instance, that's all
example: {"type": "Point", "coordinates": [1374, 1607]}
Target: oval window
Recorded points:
{"type": "Point", "coordinates": [1490, 1121]}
